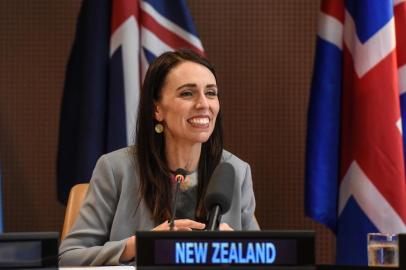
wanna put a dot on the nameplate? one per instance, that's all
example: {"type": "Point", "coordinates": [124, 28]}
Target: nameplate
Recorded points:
{"type": "Point", "coordinates": [202, 248]}
{"type": "Point", "coordinates": [29, 250]}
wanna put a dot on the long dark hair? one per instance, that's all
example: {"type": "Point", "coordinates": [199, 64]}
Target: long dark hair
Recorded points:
{"type": "Point", "coordinates": [155, 186]}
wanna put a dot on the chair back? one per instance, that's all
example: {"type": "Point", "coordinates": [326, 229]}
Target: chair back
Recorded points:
{"type": "Point", "coordinates": [76, 196]}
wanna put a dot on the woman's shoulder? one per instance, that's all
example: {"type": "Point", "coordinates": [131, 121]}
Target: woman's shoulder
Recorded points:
{"type": "Point", "coordinates": [122, 153]}
{"type": "Point", "coordinates": [117, 167]}
{"type": "Point", "coordinates": [233, 160]}
{"type": "Point", "coordinates": [121, 158]}
{"type": "Point", "coordinates": [241, 168]}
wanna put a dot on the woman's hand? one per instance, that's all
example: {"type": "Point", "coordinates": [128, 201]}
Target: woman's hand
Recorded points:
{"type": "Point", "coordinates": [181, 225]}
{"type": "Point", "coordinates": [129, 250]}
{"type": "Point", "coordinates": [225, 227]}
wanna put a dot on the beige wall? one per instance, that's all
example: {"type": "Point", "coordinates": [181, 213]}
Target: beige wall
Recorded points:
{"type": "Point", "coordinates": [263, 51]}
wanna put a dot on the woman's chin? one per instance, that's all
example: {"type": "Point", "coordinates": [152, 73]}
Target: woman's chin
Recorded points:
{"type": "Point", "coordinates": [201, 139]}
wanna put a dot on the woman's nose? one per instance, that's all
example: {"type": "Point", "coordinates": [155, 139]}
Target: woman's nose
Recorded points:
{"type": "Point", "coordinates": [202, 102]}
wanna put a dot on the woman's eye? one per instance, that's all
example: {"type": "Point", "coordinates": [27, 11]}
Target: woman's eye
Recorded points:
{"type": "Point", "coordinates": [186, 94]}
{"type": "Point", "coordinates": [212, 93]}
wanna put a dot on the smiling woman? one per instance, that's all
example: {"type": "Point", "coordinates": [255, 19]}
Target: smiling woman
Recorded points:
{"type": "Point", "coordinates": [179, 126]}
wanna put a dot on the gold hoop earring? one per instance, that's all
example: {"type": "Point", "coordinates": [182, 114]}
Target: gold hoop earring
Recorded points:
{"type": "Point", "coordinates": [159, 128]}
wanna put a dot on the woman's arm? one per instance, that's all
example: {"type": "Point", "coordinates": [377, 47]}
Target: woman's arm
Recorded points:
{"type": "Point", "coordinates": [88, 241]}
{"type": "Point", "coordinates": [248, 220]}
{"type": "Point", "coordinates": [129, 250]}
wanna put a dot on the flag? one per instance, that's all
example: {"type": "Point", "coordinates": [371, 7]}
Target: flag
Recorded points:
{"type": "Point", "coordinates": [355, 166]}
{"type": "Point", "coordinates": [115, 42]}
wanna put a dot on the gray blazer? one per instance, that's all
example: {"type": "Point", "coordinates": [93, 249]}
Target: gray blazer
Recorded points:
{"type": "Point", "coordinates": [109, 214]}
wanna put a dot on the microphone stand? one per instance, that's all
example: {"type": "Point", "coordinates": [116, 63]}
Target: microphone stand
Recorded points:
{"type": "Point", "coordinates": [172, 221]}
{"type": "Point", "coordinates": [180, 177]}
{"type": "Point", "coordinates": [214, 219]}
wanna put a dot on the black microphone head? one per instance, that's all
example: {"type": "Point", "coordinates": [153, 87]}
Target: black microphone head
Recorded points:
{"type": "Point", "coordinates": [220, 189]}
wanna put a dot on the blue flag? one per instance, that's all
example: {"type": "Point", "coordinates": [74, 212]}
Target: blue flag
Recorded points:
{"type": "Point", "coordinates": [115, 42]}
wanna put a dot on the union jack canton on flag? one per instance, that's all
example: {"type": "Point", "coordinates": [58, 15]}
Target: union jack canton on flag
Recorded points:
{"type": "Point", "coordinates": [355, 171]}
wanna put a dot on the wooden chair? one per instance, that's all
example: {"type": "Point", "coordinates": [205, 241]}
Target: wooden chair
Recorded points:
{"type": "Point", "coordinates": [76, 196]}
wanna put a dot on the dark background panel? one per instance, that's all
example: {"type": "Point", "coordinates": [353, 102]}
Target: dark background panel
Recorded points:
{"type": "Point", "coordinates": [263, 51]}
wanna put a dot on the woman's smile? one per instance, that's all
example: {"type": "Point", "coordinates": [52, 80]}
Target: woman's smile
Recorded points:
{"type": "Point", "coordinates": [199, 121]}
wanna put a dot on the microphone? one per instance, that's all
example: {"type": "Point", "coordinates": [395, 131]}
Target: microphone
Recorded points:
{"type": "Point", "coordinates": [219, 194]}
{"type": "Point", "coordinates": [180, 175]}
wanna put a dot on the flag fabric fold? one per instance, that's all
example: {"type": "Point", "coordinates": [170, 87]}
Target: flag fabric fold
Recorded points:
{"type": "Point", "coordinates": [115, 42]}
{"type": "Point", "coordinates": [355, 166]}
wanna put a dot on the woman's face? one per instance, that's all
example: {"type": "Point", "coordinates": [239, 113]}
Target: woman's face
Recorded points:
{"type": "Point", "coordinates": [188, 104]}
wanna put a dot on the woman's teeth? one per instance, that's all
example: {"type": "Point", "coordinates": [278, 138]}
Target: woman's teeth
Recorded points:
{"type": "Point", "coordinates": [199, 121]}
